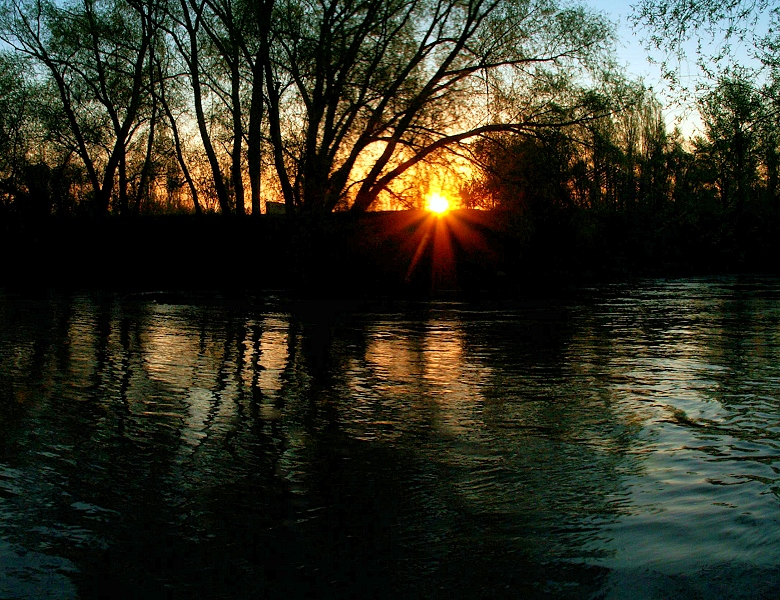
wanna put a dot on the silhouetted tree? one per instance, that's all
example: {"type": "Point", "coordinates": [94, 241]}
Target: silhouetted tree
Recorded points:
{"type": "Point", "coordinates": [616, 162]}
{"type": "Point", "coordinates": [239, 40]}
{"type": "Point", "coordinates": [16, 125]}
{"type": "Point", "coordinates": [526, 174]}
{"type": "Point", "coordinates": [732, 113]}
{"type": "Point", "coordinates": [187, 33]}
{"type": "Point", "coordinates": [361, 92]}
{"type": "Point", "coordinates": [169, 95]}
{"type": "Point", "coordinates": [95, 54]}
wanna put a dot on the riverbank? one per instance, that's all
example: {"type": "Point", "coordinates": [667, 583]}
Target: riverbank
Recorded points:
{"type": "Point", "coordinates": [388, 252]}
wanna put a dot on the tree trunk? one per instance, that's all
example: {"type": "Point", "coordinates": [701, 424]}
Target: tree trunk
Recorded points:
{"type": "Point", "coordinates": [274, 122]}
{"type": "Point", "coordinates": [177, 145]}
{"type": "Point", "coordinates": [193, 63]}
{"type": "Point", "coordinates": [143, 183]}
{"type": "Point", "coordinates": [238, 137]}
{"type": "Point", "coordinates": [255, 133]}
{"type": "Point", "coordinates": [219, 180]}
{"type": "Point", "coordinates": [124, 204]}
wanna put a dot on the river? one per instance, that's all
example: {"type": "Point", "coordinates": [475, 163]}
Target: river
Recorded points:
{"type": "Point", "coordinates": [619, 441]}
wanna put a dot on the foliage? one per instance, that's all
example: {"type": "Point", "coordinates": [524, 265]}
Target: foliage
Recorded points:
{"type": "Point", "coordinates": [167, 106]}
{"type": "Point", "coordinates": [719, 192]}
{"type": "Point", "coordinates": [393, 83]}
{"type": "Point", "coordinates": [720, 34]}
{"type": "Point", "coordinates": [328, 104]}
{"type": "Point", "coordinates": [616, 162]}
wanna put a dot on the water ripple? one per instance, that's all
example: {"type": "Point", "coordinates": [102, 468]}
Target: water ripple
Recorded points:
{"type": "Point", "coordinates": [623, 442]}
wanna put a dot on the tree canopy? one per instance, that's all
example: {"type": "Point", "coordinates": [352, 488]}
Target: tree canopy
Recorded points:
{"type": "Point", "coordinates": [368, 90]}
{"type": "Point", "coordinates": [324, 104]}
{"type": "Point", "coordinates": [713, 31]}
{"type": "Point", "coordinates": [130, 106]}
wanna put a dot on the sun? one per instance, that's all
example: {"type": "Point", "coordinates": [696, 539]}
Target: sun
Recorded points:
{"type": "Point", "coordinates": [438, 204]}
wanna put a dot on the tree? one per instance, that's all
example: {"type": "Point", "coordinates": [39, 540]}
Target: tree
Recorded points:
{"type": "Point", "coordinates": [187, 35]}
{"type": "Point", "coordinates": [331, 102]}
{"type": "Point", "coordinates": [239, 33]}
{"type": "Point", "coordinates": [360, 92]}
{"type": "Point", "coordinates": [16, 118]}
{"type": "Point", "coordinates": [37, 174]}
{"type": "Point", "coordinates": [163, 91]}
{"type": "Point", "coordinates": [719, 28]}
{"type": "Point", "coordinates": [739, 107]}
{"type": "Point", "coordinates": [618, 162]}
{"type": "Point", "coordinates": [95, 53]}
{"type": "Point", "coordinates": [742, 139]}
{"type": "Point", "coordinates": [731, 113]}
{"type": "Point", "coordinates": [526, 174]}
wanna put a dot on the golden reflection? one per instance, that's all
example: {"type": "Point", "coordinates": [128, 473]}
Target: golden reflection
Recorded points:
{"type": "Point", "coordinates": [273, 355]}
{"type": "Point", "coordinates": [169, 350]}
{"type": "Point", "coordinates": [82, 346]}
{"type": "Point", "coordinates": [427, 375]}
{"type": "Point", "coordinates": [454, 379]}
{"type": "Point", "coordinates": [444, 361]}
{"type": "Point", "coordinates": [391, 358]}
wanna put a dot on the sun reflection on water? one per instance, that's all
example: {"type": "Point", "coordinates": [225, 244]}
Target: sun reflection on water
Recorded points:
{"type": "Point", "coordinates": [634, 437]}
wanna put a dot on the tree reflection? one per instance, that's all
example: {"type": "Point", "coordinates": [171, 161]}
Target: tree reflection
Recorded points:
{"type": "Point", "coordinates": [312, 450]}
{"type": "Point", "coordinates": [401, 448]}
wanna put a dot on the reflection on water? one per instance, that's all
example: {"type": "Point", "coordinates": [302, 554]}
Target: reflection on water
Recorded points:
{"type": "Point", "coordinates": [623, 442]}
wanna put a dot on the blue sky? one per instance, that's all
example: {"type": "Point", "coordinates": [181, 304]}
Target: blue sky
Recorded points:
{"type": "Point", "coordinates": [631, 50]}
{"type": "Point", "coordinates": [634, 56]}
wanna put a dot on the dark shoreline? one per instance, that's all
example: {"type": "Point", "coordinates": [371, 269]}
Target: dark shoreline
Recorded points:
{"type": "Point", "coordinates": [395, 253]}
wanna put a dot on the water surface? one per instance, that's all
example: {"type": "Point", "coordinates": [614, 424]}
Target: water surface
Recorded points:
{"type": "Point", "coordinates": [622, 441]}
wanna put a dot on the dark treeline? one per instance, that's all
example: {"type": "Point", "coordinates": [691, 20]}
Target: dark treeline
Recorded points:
{"type": "Point", "coordinates": [136, 106]}
{"type": "Point", "coordinates": [121, 108]}
{"type": "Point", "coordinates": [650, 200]}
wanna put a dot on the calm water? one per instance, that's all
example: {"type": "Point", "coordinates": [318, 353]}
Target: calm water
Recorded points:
{"type": "Point", "coordinates": [623, 442]}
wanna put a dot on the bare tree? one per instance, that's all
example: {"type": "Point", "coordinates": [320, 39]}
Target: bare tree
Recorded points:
{"type": "Point", "coordinates": [359, 92]}
{"type": "Point", "coordinates": [187, 33]}
{"type": "Point", "coordinates": [238, 32]}
{"type": "Point", "coordinates": [162, 92]}
{"type": "Point", "coordinates": [96, 56]}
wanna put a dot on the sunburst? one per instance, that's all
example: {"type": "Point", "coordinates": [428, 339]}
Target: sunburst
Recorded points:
{"type": "Point", "coordinates": [438, 204]}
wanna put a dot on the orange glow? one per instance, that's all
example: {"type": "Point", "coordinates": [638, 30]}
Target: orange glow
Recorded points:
{"type": "Point", "coordinates": [429, 249]}
{"type": "Point", "coordinates": [438, 204]}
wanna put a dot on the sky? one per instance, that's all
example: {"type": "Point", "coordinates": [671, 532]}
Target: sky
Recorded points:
{"type": "Point", "coordinates": [634, 56]}
{"type": "Point", "coordinates": [631, 50]}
